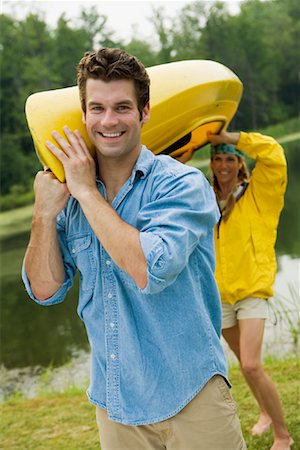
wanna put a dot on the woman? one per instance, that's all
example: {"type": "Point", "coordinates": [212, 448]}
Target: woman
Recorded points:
{"type": "Point", "coordinates": [245, 258]}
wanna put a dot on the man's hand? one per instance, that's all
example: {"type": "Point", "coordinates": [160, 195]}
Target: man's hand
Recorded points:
{"type": "Point", "coordinates": [78, 164]}
{"type": "Point", "coordinates": [43, 260]}
{"type": "Point", "coordinates": [51, 196]}
{"type": "Point", "coordinates": [224, 137]}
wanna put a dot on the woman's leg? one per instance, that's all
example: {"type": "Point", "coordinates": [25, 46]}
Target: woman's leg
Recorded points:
{"type": "Point", "coordinates": [232, 337]}
{"type": "Point", "coordinates": [246, 341]}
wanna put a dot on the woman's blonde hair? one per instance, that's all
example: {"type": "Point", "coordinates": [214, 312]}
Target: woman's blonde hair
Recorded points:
{"type": "Point", "coordinates": [243, 175]}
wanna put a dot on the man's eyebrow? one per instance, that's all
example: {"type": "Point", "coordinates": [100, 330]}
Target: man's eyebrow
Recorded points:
{"type": "Point", "coordinates": [125, 102]}
{"type": "Point", "coordinates": [120, 102]}
{"type": "Point", "coordinates": [93, 102]}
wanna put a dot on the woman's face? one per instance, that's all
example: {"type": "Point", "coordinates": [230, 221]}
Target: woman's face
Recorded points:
{"type": "Point", "coordinates": [225, 167]}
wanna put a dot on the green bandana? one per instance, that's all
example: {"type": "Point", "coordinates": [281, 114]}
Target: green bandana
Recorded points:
{"type": "Point", "coordinates": [225, 148]}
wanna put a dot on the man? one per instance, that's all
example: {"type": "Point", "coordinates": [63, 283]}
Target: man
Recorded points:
{"type": "Point", "coordinates": [141, 236]}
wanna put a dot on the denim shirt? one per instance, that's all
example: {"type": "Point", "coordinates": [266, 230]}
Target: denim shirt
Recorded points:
{"type": "Point", "coordinates": [152, 349]}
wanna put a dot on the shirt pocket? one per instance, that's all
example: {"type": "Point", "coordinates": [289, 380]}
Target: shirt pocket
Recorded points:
{"type": "Point", "coordinates": [81, 249]}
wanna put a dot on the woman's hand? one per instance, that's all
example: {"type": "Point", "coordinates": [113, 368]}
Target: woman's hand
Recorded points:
{"type": "Point", "coordinates": [224, 137]}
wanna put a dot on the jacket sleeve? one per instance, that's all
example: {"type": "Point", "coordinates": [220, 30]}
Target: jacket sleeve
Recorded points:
{"type": "Point", "coordinates": [269, 176]}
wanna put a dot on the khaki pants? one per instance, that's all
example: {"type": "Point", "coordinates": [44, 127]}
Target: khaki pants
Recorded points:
{"type": "Point", "coordinates": [208, 422]}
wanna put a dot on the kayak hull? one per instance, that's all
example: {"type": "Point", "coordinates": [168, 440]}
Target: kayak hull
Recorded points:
{"type": "Point", "coordinates": [187, 99]}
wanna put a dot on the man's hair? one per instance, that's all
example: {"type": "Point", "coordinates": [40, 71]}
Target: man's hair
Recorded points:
{"type": "Point", "coordinates": [108, 64]}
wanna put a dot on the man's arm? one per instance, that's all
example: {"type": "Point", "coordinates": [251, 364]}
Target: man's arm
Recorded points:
{"type": "Point", "coordinates": [120, 240]}
{"type": "Point", "coordinates": [43, 261]}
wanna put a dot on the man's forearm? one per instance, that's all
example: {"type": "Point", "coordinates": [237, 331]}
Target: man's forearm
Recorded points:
{"type": "Point", "coordinates": [43, 261]}
{"type": "Point", "coordinates": [120, 240]}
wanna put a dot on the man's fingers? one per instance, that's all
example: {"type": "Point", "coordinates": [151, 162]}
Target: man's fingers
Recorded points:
{"type": "Point", "coordinates": [71, 150]}
{"type": "Point", "coordinates": [73, 140]}
{"type": "Point", "coordinates": [82, 143]}
{"type": "Point", "coordinates": [60, 154]}
{"type": "Point", "coordinates": [64, 143]}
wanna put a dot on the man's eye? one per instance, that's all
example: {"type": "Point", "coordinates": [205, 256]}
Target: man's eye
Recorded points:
{"type": "Point", "coordinates": [122, 107]}
{"type": "Point", "coordinates": [96, 108]}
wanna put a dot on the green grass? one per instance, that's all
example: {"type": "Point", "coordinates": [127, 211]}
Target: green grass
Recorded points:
{"type": "Point", "coordinates": [285, 374]}
{"type": "Point", "coordinates": [15, 221]}
{"type": "Point", "coordinates": [279, 131]}
{"type": "Point", "coordinates": [67, 421]}
{"type": "Point", "coordinates": [53, 423]}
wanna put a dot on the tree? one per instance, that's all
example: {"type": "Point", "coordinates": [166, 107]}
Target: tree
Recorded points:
{"type": "Point", "coordinates": [187, 31]}
{"type": "Point", "coordinates": [143, 51]}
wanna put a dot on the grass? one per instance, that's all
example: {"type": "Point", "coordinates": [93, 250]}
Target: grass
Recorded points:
{"type": "Point", "coordinates": [59, 422]}
{"type": "Point", "coordinates": [67, 421]}
{"type": "Point", "coordinates": [15, 221]}
{"type": "Point", "coordinates": [285, 374]}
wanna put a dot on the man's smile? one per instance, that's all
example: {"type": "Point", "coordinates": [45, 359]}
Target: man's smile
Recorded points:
{"type": "Point", "coordinates": [111, 135]}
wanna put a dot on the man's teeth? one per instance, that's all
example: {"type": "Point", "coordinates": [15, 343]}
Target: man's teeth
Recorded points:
{"type": "Point", "coordinates": [111, 135]}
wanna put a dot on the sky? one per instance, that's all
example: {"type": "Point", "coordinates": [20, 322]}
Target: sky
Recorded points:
{"type": "Point", "coordinates": [122, 15]}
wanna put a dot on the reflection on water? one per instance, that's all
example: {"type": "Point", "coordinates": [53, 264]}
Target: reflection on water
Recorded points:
{"type": "Point", "coordinates": [34, 335]}
{"type": "Point", "coordinates": [282, 333]}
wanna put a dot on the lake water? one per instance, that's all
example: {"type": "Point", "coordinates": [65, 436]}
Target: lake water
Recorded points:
{"type": "Point", "coordinates": [34, 337]}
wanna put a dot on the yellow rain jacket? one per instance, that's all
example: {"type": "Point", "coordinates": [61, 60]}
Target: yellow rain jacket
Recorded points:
{"type": "Point", "coordinates": [245, 255]}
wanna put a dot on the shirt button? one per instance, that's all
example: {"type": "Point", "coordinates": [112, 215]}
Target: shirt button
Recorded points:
{"type": "Point", "coordinates": [109, 295]}
{"type": "Point", "coordinates": [113, 356]}
{"type": "Point", "coordinates": [107, 262]}
{"type": "Point", "coordinates": [112, 325]}
{"type": "Point", "coordinates": [73, 250]}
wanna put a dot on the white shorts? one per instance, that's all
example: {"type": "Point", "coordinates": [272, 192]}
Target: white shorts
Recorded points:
{"type": "Point", "coordinates": [249, 308]}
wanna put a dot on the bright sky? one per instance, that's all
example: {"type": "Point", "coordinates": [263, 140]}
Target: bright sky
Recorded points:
{"type": "Point", "coordinates": [121, 15]}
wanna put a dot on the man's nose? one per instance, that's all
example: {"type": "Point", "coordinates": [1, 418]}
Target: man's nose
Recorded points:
{"type": "Point", "coordinates": [109, 118]}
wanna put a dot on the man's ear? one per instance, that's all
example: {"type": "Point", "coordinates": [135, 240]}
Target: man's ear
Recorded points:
{"type": "Point", "coordinates": [83, 118]}
{"type": "Point", "coordinates": [146, 113]}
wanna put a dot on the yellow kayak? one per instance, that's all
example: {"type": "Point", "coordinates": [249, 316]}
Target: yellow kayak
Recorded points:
{"type": "Point", "coordinates": [187, 99]}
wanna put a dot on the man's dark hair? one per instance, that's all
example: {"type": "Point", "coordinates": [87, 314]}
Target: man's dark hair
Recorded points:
{"type": "Point", "coordinates": [109, 64]}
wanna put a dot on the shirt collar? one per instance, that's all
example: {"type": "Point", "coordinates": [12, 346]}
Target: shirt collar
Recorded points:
{"type": "Point", "coordinates": [143, 164]}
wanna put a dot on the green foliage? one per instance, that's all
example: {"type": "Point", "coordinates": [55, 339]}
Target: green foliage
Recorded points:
{"type": "Point", "coordinates": [16, 198]}
{"type": "Point", "coordinates": [282, 129]}
{"type": "Point", "coordinates": [143, 51]}
{"type": "Point", "coordinates": [16, 166]}
{"type": "Point", "coordinates": [260, 43]}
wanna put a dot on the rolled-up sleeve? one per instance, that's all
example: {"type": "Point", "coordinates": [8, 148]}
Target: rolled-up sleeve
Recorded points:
{"type": "Point", "coordinates": [69, 267]}
{"type": "Point", "coordinates": [180, 215]}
